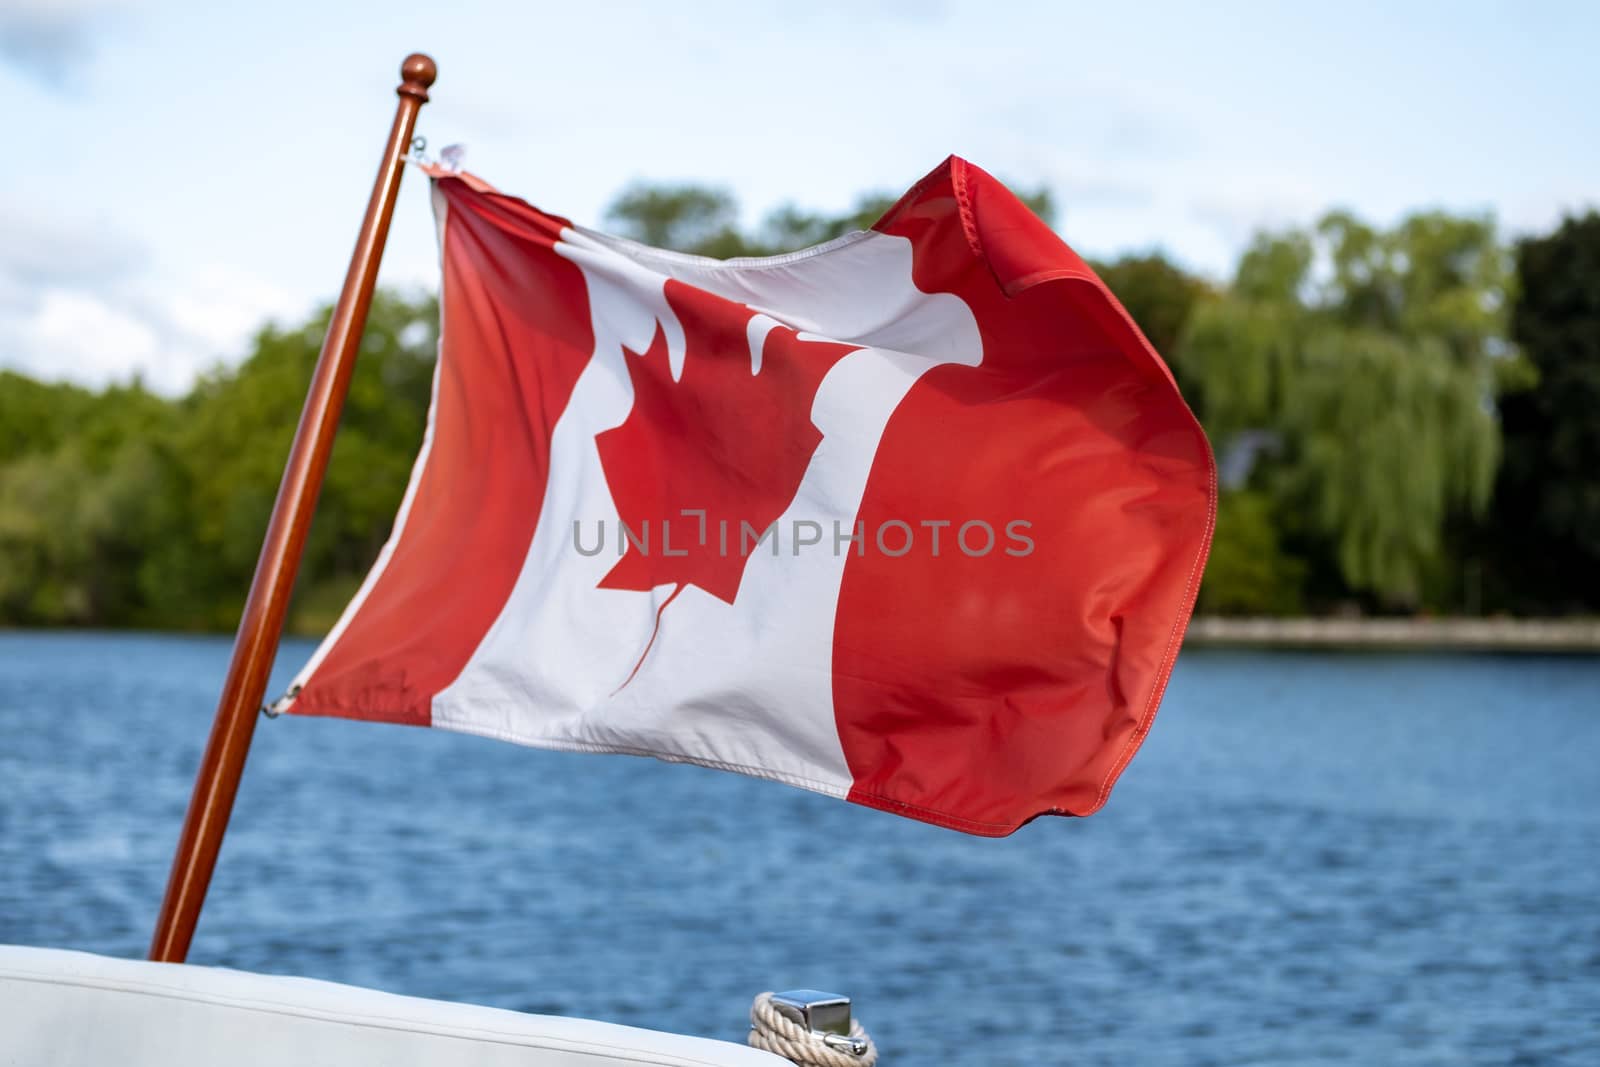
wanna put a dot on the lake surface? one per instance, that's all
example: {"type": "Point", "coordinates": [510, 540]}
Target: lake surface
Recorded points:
{"type": "Point", "coordinates": [1316, 859]}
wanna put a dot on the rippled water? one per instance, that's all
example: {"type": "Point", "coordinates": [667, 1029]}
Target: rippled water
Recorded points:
{"type": "Point", "coordinates": [1386, 860]}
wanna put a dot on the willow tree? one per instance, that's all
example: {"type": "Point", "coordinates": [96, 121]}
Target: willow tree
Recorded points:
{"type": "Point", "coordinates": [1368, 359]}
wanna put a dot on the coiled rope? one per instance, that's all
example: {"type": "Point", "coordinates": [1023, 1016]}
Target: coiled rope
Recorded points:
{"type": "Point", "coordinates": [777, 1033]}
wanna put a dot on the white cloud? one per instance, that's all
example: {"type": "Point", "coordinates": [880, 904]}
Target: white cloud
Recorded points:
{"type": "Point", "coordinates": [75, 336]}
{"type": "Point", "coordinates": [43, 251]}
{"type": "Point", "coordinates": [82, 301]}
{"type": "Point", "coordinates": [164, 333]}
{"type": "Point", "coordinates": [222, 308]}
{"type": "Point", "coordinates": [52, 40]}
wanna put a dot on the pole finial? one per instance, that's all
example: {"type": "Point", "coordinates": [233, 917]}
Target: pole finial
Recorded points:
{"type": "Point", "coordinates": [416, 75]}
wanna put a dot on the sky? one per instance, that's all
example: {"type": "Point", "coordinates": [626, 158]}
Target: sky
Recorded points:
{"type": "Point", "coordinates": [177, 174]}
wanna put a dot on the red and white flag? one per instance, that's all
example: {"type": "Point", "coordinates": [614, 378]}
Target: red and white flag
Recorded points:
{"type": "Point", "coordinates": [915, 517]}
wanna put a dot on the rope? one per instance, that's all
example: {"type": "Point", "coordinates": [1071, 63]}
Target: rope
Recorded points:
{"type": "Point", "coordinates": [779, 1034]}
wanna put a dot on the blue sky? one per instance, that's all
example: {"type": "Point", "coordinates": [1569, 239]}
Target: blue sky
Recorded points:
{"type": "Point", "coordinates": [180, 172]}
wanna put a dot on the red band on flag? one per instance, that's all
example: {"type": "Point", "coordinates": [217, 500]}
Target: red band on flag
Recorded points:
{"type": "Point", "coordinates": [512, 345]}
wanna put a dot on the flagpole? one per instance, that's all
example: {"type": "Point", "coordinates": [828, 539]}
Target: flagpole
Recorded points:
{"type": "Point", "coordinates": [256, 643]}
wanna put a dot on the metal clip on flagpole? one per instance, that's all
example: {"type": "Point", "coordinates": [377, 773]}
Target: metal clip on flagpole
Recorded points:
{"type": "Point", "coordinates": [256, 643]}
{"type": "Point", "coordinates": [450, 156]}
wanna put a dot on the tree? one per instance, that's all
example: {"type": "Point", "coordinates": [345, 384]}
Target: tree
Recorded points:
{"type": "Point", "coordinates": [703, 220]}
{"type": "Point", "coordinates": [1160, 296]}
{"type": "Point", "coordinates": [124, 508]}
{"type": "Point", "coordinates": [34, 416]}
{"type": "Point", "coordinates": [235, 436]}
{"type": "Point", "coordinates": [79, 472]}
{"type": "Point", "coordinates": [1544, 533]}
{"type": "Point", "coordinates": [1249, 572]}
{"type": "Point", "coordinates": [1371, 359]}
{"type": "Point", "coordinates": [682, 217]}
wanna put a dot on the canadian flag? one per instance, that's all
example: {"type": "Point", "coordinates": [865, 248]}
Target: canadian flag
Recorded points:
{"type": "Point", "coordinates": [915, 517]}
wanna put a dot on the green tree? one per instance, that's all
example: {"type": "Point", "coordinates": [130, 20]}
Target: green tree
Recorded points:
{"type": "Point", "coordinates": [688, 218]}
{"type": "Point", "coordinates": [1544, 533]}
{"type": "Point", "coordinates": [35, 417]}
{"type": "Point", "coordinates": [125, 508]}
{"type": "Point", "coordinates": [1250, 572]}
{"type": "Point", "coordinates": [1160, 296]}
{"type": "Point", "coordinates": [1158, 293]}
{"type": "Point", "coordinates": [704, 221]}
{"type": "Point", "coordinates": [1371, 358]}
{"type": "Point", "coordinates": [79, 474]}
{"type": "Point", "coordinates": [235, 436]}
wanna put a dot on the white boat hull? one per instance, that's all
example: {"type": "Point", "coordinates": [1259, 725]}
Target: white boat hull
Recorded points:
{"type": "Point", "coordinates": [74, 1009]}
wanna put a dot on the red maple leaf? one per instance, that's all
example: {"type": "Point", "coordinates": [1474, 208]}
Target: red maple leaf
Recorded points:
{"type": "Point", "coordinates": [727, 438]}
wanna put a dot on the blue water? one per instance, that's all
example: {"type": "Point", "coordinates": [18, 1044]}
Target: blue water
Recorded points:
{"type": "Point", "coordinates": [1385, 860]}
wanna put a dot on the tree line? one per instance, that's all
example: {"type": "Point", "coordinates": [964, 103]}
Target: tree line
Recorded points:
{"type": "Point", "coordinates": [1405, 420]}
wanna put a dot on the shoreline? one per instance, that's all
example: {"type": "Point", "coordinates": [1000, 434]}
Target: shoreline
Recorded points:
{"type": "Point", "coordinates": [1442, 634]}
{"type": "Point", "coordinates": [1400, 634]}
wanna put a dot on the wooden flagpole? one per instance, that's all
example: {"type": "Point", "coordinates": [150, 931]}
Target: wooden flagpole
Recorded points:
{"type": "Point", "coordinates": [256, 643]}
